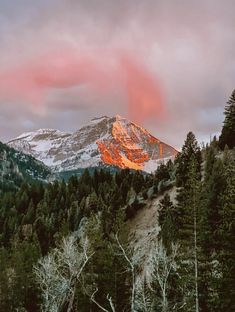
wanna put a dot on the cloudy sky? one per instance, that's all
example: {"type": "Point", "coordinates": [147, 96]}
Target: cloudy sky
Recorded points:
{"type": "Point", "coordinates": [166, 64]}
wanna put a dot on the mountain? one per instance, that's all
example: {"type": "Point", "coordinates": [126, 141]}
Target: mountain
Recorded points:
{"type": "Point", "coordinates": [109, 141]}
{"type": "Point", "coordinates": [16, 167]}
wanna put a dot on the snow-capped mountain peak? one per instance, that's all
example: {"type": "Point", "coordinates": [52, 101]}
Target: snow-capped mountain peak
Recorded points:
{"type": "Point", "coordinates": [103, 141]}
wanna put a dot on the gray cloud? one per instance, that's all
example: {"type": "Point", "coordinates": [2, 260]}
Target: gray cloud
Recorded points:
{"type": "Point", "coordinates": [188, 45]}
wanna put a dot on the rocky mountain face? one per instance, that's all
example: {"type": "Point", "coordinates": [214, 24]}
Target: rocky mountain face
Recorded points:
{"type": "Point", "coordinates": [108, 141]}
{"type": "Point", "coordinates": [16, 167]}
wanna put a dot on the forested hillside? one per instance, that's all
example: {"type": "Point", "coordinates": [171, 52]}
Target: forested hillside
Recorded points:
{"type": "Point", "coordinates": [65, 246]}
{"type": "Point", "coordinates": [16, 167]}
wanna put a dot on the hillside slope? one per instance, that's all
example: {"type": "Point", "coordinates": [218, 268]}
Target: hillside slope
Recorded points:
{"type": "Point", "coordinates": [16, 167]}
{"type": "Point", "coordinates": [143, 228]}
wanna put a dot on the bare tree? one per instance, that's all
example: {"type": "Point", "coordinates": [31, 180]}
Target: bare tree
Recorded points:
{"type": "Point", "coordinates": [111, 304]}
{"type": "Point", "coordinates": [59, 272]}
{"type": "Point", "coordinates": [143, 296]}
{"type": "Point", "coordinates": [131, 266]}
{"type": "Point", "coordinates": [134, 288]}
{"type": "Point", "coordinates": [161, 265]}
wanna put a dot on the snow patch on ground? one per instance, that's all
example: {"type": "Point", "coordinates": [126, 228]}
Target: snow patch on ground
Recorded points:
{"type": "Point", "coordinates": [151, 165]}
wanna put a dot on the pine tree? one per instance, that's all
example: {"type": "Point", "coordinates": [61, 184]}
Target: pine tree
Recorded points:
{"type": "Point", "coordinates": [137, 181]}
{"type": "Point", "coordinates": [188, 178]}
{"type": "Point", "coordinates": [213, 187]}
{"type": "Point", "coordinates": [24, 255]}
{"type": "Point", "coordinates": [210, 206]}
{"type": "Point", "coordinates": [183, 160]}
{"type": "Point", "coordinates": [5, 287]}
{"type": "Point", "coordinates": [228, 131]}
{"type": "Point", "coordinates": [167, 215]}
{"type": "Point", "coordinates": [226, 238]}
{"type": "Point", "coordinates": [30, 214]}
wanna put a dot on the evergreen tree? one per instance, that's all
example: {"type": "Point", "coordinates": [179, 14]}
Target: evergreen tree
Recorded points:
{"type": "Point", "coordinates": [30, 214]}
{"type": "Point", "coordinates": [188, 177]}
{"type": "Point", "coordinates": [137, 181]}
{"type": "Point", "coordinates": [18, 289]}
{"type": "Point", "coordinates": [188, 206]}
{"type": "Point", "coordinates": [5, 287]}
{"type": "Point", "coordinates": [167, 215]}
{"type": "Point", "coordinates": [183, 160]}
{"type": "Point", "coordinates": [226, 238]}
{"type": "Point", "coordinates": [227, 136]}
{"type": "Point", "coordinates": [210, 206]}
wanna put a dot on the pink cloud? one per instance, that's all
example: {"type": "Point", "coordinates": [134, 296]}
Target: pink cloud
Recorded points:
{"type": "Point", "coordinates": [33, 80]}
{"type": "Point", "coordinates": [145, 98]}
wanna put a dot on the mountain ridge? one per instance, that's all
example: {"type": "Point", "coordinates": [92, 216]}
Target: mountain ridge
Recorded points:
{"type": "Point", "coordinates": [105, 140]}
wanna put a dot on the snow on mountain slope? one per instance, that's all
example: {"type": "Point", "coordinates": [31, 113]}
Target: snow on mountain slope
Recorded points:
{"type": "Point", "coordinates": [42, 144]}
{"type": "Point", "coordinates": [104, 141]}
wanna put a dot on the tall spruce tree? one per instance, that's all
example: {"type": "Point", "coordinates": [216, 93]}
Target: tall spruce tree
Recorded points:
{"type": "Point", "coordinates": [227, 136]}
{"type": "Point", "coordinates": [214, 184]}
{"type": "Point", "coordinates": [226, 238]}
{"type": "Point", "coordinates": [183, 160]}
{"type": "Point", "coordinates": [166, 217]}
{"type": "Point", "coordinates": [188, 178]}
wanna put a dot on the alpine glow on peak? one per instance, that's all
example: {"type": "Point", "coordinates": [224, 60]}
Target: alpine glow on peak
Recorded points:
{"type": "Point", "coordinates": [105, 141]}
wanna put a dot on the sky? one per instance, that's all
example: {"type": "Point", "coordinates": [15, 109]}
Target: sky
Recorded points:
{"type": "Point", "coordinates": [167, 65]}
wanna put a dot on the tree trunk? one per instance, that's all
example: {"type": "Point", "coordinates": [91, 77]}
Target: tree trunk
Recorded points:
{"type": "Point", "coordinates": [195, 259]}
{"type": "Point", "coordinates": [164, 301]}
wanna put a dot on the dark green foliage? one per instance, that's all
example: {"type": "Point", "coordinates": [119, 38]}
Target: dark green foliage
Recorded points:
{"type": "Point", "coordinates": [167, 216]}
{"type": "Point", "coordinates": [227, 136]}
{"type": "Point", "coordinates": [226, 235]}
{"type": "Point", "coordinates": [36, 217]}
{"type": "Point", "coordinates": [164, 177]}
{"type": "Point", "coordinates": [187, 220]}
{"type": "Point", "coordinates": [137, 181]}
{"type": "Point", "coordinates": [183, 160]}
{"type": "Point", "coordinates": [187, 202]}
{"type": "Point", "coordinates": [213, 238]}
{"type": "Point", "coordinates": [213, 187]}
{"type": "Point", "coordinates": [18, 288]}
{"type": "Point", "coordinates": [208, 204]}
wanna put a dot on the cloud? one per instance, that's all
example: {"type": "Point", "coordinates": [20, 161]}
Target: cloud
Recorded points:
{"type": "Point", "coordinates": [32, 81]}
{"type": "Point", "coordinates": [180, 52]}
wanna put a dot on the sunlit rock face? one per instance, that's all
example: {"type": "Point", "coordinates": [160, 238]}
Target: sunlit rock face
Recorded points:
{"type": "Point", "coordinates": [131, 146]}
{"type": "Point", "coordinates": [104, 141]}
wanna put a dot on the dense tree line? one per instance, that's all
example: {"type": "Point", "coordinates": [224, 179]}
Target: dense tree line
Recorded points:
{"type": "Point", "coordinates": [203, 222]}
{"type": "Point", "coordinates": [34, 219]}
